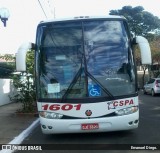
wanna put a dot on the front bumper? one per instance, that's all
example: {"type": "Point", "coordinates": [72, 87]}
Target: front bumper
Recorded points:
{"type": "Point", "coordinates": [118, 123]}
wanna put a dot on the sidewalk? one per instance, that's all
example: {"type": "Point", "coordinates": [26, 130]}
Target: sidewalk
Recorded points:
{"type": "Point", "coordinates": [12, 124]}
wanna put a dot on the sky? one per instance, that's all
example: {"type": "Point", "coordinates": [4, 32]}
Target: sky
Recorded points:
{"type": "Point", "coordinates": [26, 14]}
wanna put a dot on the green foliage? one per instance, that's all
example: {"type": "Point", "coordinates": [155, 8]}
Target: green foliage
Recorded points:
{"type": "Point", "coordinates": [24, 83]}
{"type": "Point", "coordinates": [6, 69]}
{"type": "Point", "coordinates": [8, 57]}
{"type": "Point", "coordinates": [156, 64]}
{"type": "Point", "coordinates": [145, 24]}
{"type": "Point", "coordinates": [140, 22]}
{"type": "Point", "coordinates": [30, 62]}
{"type": "Point", "coordinates": [7, 65]}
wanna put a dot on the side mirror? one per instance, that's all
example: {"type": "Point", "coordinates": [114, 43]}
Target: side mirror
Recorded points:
{"type": "Point", "coordinates": [21, 56]}
{"type": "Point", "coordinates": [144, 49]}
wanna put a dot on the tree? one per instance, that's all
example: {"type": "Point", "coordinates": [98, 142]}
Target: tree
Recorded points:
{"type": "Point", "coordinates": [140, 22]}
{"type": "Point", "coordinates": [8, 57]}
{"type": "Point", "coordinates": [24, 83]}
{"type": "Point", "coordinates": [155, 45]}
{"type": "Point", "coordinates": [7, 65]}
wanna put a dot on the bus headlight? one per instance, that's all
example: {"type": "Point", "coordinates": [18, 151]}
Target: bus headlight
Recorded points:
{"type": "Point", "coordinates": [50, 115]}
{"type": "Point", "coordinates": [126, 111]}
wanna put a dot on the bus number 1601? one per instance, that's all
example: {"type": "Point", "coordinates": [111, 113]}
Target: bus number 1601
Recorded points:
{"type": "Point", "coordinates": [65, 107]}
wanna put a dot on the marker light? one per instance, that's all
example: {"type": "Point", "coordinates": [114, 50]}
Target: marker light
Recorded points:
{"type": "Point", "coordinates": [50, 115]}
{"type": "Point", "coordinates": [127, 111]}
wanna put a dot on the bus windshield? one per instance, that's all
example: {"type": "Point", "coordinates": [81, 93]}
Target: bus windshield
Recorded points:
{"type": "Point", "coordinates": [84, 59]}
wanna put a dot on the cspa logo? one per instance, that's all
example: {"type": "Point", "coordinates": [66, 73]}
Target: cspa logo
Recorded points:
{"type": "Point", "coordinates": [115, 104]}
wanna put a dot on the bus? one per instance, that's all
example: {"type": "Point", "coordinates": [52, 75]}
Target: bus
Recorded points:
{"type": "Point", "coordinates": [85, 74]}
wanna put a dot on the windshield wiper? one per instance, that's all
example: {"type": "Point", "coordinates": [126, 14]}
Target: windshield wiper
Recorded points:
{"type": "Point", "coordinates": [89, 75]}
{"type": "Point", "coordinates": [78, 74]}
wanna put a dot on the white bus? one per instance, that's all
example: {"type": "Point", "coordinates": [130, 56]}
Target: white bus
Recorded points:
{"type": "Point", "coordinates": [86, 74]}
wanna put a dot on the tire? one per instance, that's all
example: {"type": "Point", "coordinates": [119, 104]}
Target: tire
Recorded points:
{"type": "Point", "coordinates": [153, 93]}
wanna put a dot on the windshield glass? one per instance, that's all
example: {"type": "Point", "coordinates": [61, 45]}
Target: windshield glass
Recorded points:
{"type": "Point", "coordinates": [85, 59]}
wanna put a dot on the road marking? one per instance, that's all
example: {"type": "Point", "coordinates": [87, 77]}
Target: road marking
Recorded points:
{"type": "Point", "coordinates": [18, 140]}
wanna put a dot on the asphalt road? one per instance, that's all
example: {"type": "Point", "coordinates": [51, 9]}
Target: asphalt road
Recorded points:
{"type": "Point", "coordinates": [148, 133]}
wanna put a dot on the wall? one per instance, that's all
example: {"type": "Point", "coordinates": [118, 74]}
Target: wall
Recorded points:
{"type": "Point", "coordinates": [6, 89]}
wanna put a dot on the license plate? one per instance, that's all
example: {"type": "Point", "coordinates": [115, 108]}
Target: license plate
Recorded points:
{"type": "Point", "coordinates": [90, 126]}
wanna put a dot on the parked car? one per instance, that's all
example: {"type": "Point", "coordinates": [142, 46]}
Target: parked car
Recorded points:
{"type": "Point", "coordinates": [152, 86]}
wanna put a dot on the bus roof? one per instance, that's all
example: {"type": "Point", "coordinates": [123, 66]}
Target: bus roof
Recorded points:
{"type": "Point", "coordinates": [84, 18]}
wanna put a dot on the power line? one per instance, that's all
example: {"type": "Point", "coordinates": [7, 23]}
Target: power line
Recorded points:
{"type": "Point", "coordinates": [42, 8]}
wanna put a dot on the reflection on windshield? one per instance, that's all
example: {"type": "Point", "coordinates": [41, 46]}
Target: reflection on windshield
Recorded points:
{"type": "Point", "coordinates": [93, 61]}
{"type": "Point", "coordinates": [109, 58]}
